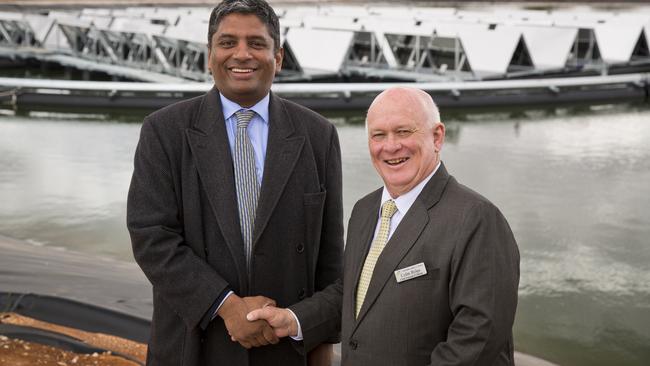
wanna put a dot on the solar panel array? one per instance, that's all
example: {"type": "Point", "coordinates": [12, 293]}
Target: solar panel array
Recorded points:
{"type": "Point", "coordinates": [406, 42]}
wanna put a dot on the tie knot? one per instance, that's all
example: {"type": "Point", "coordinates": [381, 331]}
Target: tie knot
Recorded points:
{"type": "Point", "coordinates": [244, 117]}
{"type": "Point", "coordinates": [388, 209]}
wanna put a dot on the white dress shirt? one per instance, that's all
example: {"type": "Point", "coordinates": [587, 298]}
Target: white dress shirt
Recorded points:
{"type": "Point", "coordinates": [403, 203]}
{"type": "Point", "coordinates": [258, 129]}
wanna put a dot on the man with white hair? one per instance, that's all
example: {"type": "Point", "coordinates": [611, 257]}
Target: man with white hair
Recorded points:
{"type": "Point", "coordinates": [431, 267]}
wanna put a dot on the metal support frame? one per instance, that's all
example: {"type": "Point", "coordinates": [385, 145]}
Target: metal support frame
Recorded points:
{"type": "Point", "coordinates": [182, 58]}
{"type": "Point", "coordinates": [521, 60]}
{"type": "Point", "coordinates": [366, 51]}
{"type": "Point", "coordinates": [428, 54]}
{"type": "Point", "coordinates": [641, 50]}
{"type": "Point", "coordinates": [585, 50]}
{"type": "Point", "coordinates": [137, 50]}
{"type": "Point", "coordinates": [15, 33]}
{"type": "Point", "coordinates": [132, 50]}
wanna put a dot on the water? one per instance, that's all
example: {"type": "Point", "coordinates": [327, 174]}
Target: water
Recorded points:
{"type": "Point", "coordinates": [574, 187]}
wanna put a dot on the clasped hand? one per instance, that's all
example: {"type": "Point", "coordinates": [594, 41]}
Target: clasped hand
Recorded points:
{"type": "Point", "coordinates": [248, 333]}
{"type": "Point", "coordinates": [281, 320]}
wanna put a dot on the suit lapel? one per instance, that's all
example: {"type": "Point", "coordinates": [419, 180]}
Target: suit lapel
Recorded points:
{"type": "Point", "coordinates": [399, 244]}
{"type": "Point", "coordinates": [208, 141]}
{"type": "Point", "coordinates": [365, 235]}
{"type": "Point", "coordinates": [282, 153]}
{"type": "Point", "coordinates": [403, 238]}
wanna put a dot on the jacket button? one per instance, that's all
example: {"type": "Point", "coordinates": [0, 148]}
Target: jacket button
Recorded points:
{"type": "Point", "coordinates": [302, 293]}
{"type": "Point", "coordinates": [353, 344]}
{"type": "Point", "coordinates": [300, 247]}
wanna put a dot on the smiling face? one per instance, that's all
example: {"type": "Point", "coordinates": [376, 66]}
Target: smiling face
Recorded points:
{"type": "Point", "coordinates": [243, 59]}
{"type": "Point", "coordinates": [404, 138]}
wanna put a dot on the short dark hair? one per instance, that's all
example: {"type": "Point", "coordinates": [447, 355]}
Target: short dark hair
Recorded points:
{"type": "Point", "coordinates": [260, 8]}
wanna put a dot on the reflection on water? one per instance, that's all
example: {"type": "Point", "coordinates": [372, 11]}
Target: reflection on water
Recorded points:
{"type": "Point", "coordinates": [64, 183]}
{"type": "Point", "coordinates": [574, 187]}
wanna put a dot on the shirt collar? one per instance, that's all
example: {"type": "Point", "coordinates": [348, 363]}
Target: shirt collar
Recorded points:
{"type": "Point", "coordinates": [405, 201]}
{"type": "Point", "coordinates": [261, 108]}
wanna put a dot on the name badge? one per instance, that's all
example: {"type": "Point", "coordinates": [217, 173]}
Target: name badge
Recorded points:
{"type": "Point", "coordinates": [410, 272]}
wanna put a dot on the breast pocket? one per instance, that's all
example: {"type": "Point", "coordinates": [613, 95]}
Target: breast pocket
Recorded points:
{"type": "Point", "coordinates": [314, 204]}
{"type": "Point", "coordinates": [314, 199]}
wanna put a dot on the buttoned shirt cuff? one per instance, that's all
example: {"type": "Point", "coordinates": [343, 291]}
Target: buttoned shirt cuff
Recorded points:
{"type": "Point", "coordinates": [298, 337]}
{"type": "Point", "coordinates": [214, 315]}
{"type": "Point", "coordinates": [212, 312]}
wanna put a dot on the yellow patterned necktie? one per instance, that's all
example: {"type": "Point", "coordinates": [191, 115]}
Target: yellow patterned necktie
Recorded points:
{"type": "Point", "coordinates": [378, 244]}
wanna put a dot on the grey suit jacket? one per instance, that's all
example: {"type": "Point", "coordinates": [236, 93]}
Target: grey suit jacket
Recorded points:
{"type": "Point", "coordinates": [183, 219]}
{"type": "Point", "coordinates": [462, 311]}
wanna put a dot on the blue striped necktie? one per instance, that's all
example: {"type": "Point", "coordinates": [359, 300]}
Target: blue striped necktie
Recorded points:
{"type": "Point", "coordinates": [245, 181]}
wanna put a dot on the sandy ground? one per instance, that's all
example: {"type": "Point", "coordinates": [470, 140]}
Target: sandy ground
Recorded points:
{"type": "Point", "coordinates": [17, 352]}
{"type": "Point", "coordinates": [122, 346]}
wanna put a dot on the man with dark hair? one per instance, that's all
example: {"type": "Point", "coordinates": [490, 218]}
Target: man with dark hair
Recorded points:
{"type": "Point", "coordinates": [263, 12]}
{"type": "Point", "coordinates": [235, 203]}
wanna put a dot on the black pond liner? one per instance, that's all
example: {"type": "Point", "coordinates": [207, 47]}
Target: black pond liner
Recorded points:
{"type": "Point", "coordinates": [72, 314]}
{"type": "Point", "coordinates": [56, 340]}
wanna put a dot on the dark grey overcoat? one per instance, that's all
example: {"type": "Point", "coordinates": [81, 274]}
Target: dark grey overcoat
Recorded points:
{"type": "Point", "coordinates": [183, 219]}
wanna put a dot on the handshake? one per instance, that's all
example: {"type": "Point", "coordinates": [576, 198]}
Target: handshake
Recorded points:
{"type": "Point", "coordinates": [256, 321]}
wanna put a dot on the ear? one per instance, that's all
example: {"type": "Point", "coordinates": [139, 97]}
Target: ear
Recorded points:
{"type": "Point", "coordinates": [438, 136]}
{"type": "Point", "coordinates": [209, 57]}
{"type": "Point", "coordinates": [279, 55]}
